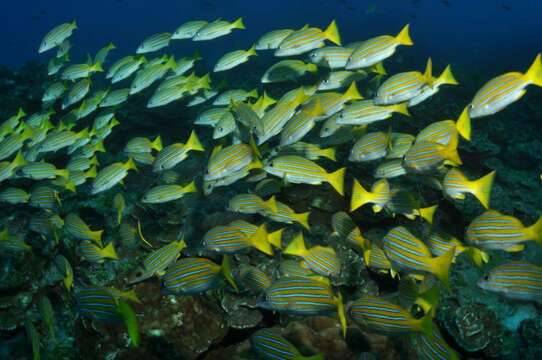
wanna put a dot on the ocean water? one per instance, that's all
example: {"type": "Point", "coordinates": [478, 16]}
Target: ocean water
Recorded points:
{"type": "Point", "coordinates": [91, 250]}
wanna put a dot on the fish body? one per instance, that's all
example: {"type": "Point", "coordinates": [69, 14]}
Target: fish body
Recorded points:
{"type": "Point", "coordinates": [80, 71]}
{"type": "Point", "coordinates": [426, 156]}
{"type": "Point", "coordinates": [371, 146]}
{"type": "Point", "coordinates": [92, 252]}
{"type": "Point", "coordinates": [300, 124]}
{"type": "Point", "coordinates": [165, 193]}
{"type": "Point", "coordinates": [233, 59]}
{"type": "Point", "coordinates": [322, 260]}
{"type": "Point", "coordinates": [188, 29]}
{"type": "Point", "coordinates": [127, 69]}
{"type": "Point", "coordinates": [154, 43]}
{"type": "Point", "coordinates": [456, 185]}
{"type": "Point", "coordinates": [217, 29]}
{"type": "Point", "coordinates": [307, 39]}
{"type": "Point", "coordinates": [516, 280]}
{"type": "Point", "coordinates": [148, 75]}
{"type": "Point", "coordinates": [57, 35]}
{"type": "Point", "coordinates": [390, 169]}
{"type": "Point", "coordinates": [234, 95]}
{"type": "Point", "coordinates": [173, 154]}
{"type": "Point", "coordinates": [111, 175]}
{"type": "Point", "coordinates": [379, 195]}
{"type": "Point", "coordinates": [228, 160]}
{"type": "Point", "coordinates": [78, 91]}
{"type": "Point", "coordinates": [333, 57]}
{"type": "Point", "coordinates": [270, 345]}
{"type": "Point", "coordinates": [76, 227]}
{"type": "Point", "coordinates": [365, 112]}
{"type": "Point", "coordinates": [272, 39]}
{"type": "Point", "coordinates": [287, 70]}
{"type": "Point", "coordinates": [340, 79]}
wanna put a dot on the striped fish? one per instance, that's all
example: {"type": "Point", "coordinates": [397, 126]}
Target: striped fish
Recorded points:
{"type": "Point", "coordinates": [192, 276]}
{"type": "Point", "coordinates": [80, 71]}
{"type": "Point", "coordinates": [228, 160]}
{"type": "Point", "coordinates": [111, 175]}
{"type": "Point", "coordinates": [101, 55]}
{"type": "Point", "coordinates": [505, 89]}
{"type": "Point", "coordinates": [118, 64]}
{"type": "Point", "coordinates": [234, 58]}
{"type": "Point", "coordinates": [371, 146]}
{"type": "Point", "coordinates": [44, 197]}
{"type": "Point", "coordinates": [270, 345]}
{"type": "Point", "coordinates": [272, 39]}
{"type": "Point", "coordinates": [129, 68]}
{"type": "Point", "coordinates": [440, 132]}
{"type": "Point", "coordinates": [252, 204]}
{"type": "Point", "coordinates": [322, 260]}
{"type": "Point", "coordinates": [384, 317]}
{"type": "Point", "coordinates": [225, 126]}
{"type": "Point", "coordinates": [307, 39]}
{"type": "Point", "coordinates": [148, 75]}
{"type": "Point", "coordinates": [300, 124]}
{"type": "Point", "coordinates": [217, 29]}
{"type": "Point", "coordinates": [333, 102]}
{"type": "Point", "coordinates": [495, 231]}
{"type": "Point", "coordinates": [252, 278]}
{"type": "Point", "coordinates": [97, 304]}
{"type": "Point", "coordinates": [344, 226]}
{"type": "Point", "coordinates": [440, 243]}
{"type": "Point", "coordinates": [456, 185]}
{"type": "Point", "coordinates": [57, 140]}
{"type": "Point", "coordinates": [42, 170]}
{"type": "Point", "coordinates": [274, 120]}
{"type": "Point", "coordinates": [287, 70]}
{"type": "Point", "coordinates": [7, 168]}
{"type": "Point", "coordinates": [408, 253]}
{"type": "Point", "coordinates": [56, 36]}
{"type": "Point", "coordinates": [365, 112]}
{"type": "Point", "coordinates": [154, 43]}
{"type": "Point", "coordinates": [78, 91]}
{"type": "Point", "coordinates": [165, 193]}
{"type": "Point", "coordinates": [186, 63]}
{"type": "Point", "coordinates": [164, 96]}
{"type": "Point", "coordinates": [33, 337]}
{"type": "Point", "coordinates": [287, 215]}
{"type": "Point", "coordinates": [432, 347]}
{"type": "Point", "coordinates": [330, 126]}
{"type": "Point", "coordinates": [298, 170]}
{"type": "Point", "coordinates": [211, 116]}
{"type": "Point", "coordinates": [375, 259]}
{"type": "Point", "coordinates": [76, 227]}
{"type": "Point", "coordinates": [143, 144]}
{"type": "Point", "coordinates": [65, 269]}
{"type": "Point", "coordinates": [405, 203]}
{"type": "Point", "coordinates": [173, 154]}
{"type": "Point", "coordinates": [205, 95]}
{"type": "Point", "coordinates": [231, 239]}
{"type": "Point", "coordinates": [11, 144]}
{"type": "Point", "coordinates": [308, 151]}
{"type": "Point", "coordinates": [340, 79]}
{"type": "Point", "coordinates": [96, 254]}
{"type": "Point", "coordinates": [53, 92]}
{"type": "Point", "coordinates": [14, 196]}
{"type": "Point", "coordinates": [188, 29]}
{"type": "Point", "coordinates": [234, 95]}
{"type": "Point", "coordinates": [379, 48]}
{"type": "Point", "coordinates": [55, 64]}
{"type": "Point", "coordinates": [333, 57]}
{"type": "Point", "coordinates": [245, 114]}
{"type": "Point", "coordinates": [516, 280]}
{"type": "Point", "coordinates": [403, 86]}
{"type": "Point", "coordinates": [446, 78]}
{"type": "Point", "coordinates": [390, 169]}
{"type": "Point", "coordinates": [157, 261]}
{"type": "Point", "coordinates": [303, 296]}
{"type": "Point", "coordinates": [379, 195]}
{"type": "Point", "coordinates": [426, 156]}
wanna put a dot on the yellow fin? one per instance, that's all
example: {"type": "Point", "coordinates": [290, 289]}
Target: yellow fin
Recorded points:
{"type": "Point", "coordinates": [352, 93]}
{"type": "Point", "coordinates": [190, 187]}
{"type": "Point", "coordinates": [130, 165]}
{"type": "Point", "coordinates": [481, 188]}
{"type": "Point", "coordinates": [296, 246]}
{"type": "Point", "coordinates": [360, 196]}
{"type": "Point", "coordinates": [428, 213]}
{"type": "Point", "coordinates": [260, 242]}
{"type": "Point", "coordinates": [193, 142]}
{"type": "Point", "coordinates": [336, 180]}
{"type": "Point", "coordinates": [428, 73]}
{"type": "Point", "coordinates": [440, 266]}
{"type": "Point", "coordinates": [252, 50]}
{"type": "Point", "coordinates": [275, 238]}
{"type": "Point", "coordinates": [109, 252]}
{"type": "Point", "coordinates": [329, 153]}
{"type": "Point", "coordinates": [447, 77]}
{"type": "Point", "coordinates": [534, 74]}
{"type": "Point", "coordinates": [303, 219]}
{"type": "Point", "coordinates": [271, 204]}
{"type": "Point", "coordinates": [403, 37]}
{"type": "Point", "coordinates": [463, 124]}
{"type": "Point", "coordinates": [535, 231]}
{"type": "Point", "coordinates": [238, 24]}
{"type": "Point", "coordinates": [157, 143]}
{"type": "Point", "coordinates": [227, 272]}
{"type": "Point", "coordinates": [401, 108]}
{"type": "Point", "coordinates": [332, 33]}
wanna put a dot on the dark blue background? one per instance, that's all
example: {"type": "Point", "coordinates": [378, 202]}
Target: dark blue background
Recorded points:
{"type": "Point", "coordinates": [480, 34]}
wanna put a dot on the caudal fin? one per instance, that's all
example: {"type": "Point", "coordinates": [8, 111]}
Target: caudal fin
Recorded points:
{"type": "Point", "coordinates": [535, 231]}
{"type": "Point", "coordinates": [534, 74]}
{"type": "Point", "coordinates": [303, 219]}
{"type": "Point", "coordinates": [447, 77]}
{"type": "Point", "coordinates": [97, 236]}
{"type": "Point", "coordinates": [403, 37]}
{"type": "Point", "coordinates": [157, 143]}
{"type": "Point", "coordinates": [271, 204]}
{"type": "Point", "coordinates": [238, 24]}
{"type": "Point", "coordinates": [428, 213]}
{"type": "Point", "coordinates": [130, 320]}
{"type": "Point", "coordinates": [260, 242]}
{"type": "Point", "coordinates": [463, 124]}
{"type": "Point", "coordinates": [332, 33]}
{"type": "Point", "coordinates": [109, 252]}
{"type": "Point", "coordinates": [336, 179]}
{"type": "Point", "coordinates": [441, 266]}
{"type": "Point", "coordinates": [360, 196]}
{"type": "Point", "coordinates": [329, 153]}
{"type": "Point", "coordinates": [227, 272]}
{"type": "Point", "coordinates": [193, 142]}
{"type": "Point", "coordinates": [428, 73]}
{"type": "Point", "coordinates": [296, 246]}
{"type": "Point", "coordinates": [275, 238]}
{"type": "Point", "coordinates": [482, 188]}
{"type": "Point", "coordinates": [401, 108]}
{"type": "Point", "coordinates": [352, 93]}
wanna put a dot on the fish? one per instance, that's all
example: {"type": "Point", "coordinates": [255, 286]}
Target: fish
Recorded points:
{"type": "Point", "coordinates": [405, 203]}
{"type": "Point", "coordinates": [429, 347]}
{"type": "Point", "coordinates": [173, 154]}
{"type": "Point", "coordinates": [78, 91]}
{"type": "Point", "coordinates": [101, 55]}
{"type": "Point", "coordinates": [148, 75]}
{"type": "Point", "coordinates": [53, 92]}
{"type": "Point", "coordinates": [231, 239]}
{"type": "Point", "coordinates": [252, 204]}
{"type": "Point", "coordinates": [340, 79]}
{"type": "Point", "coordinates": [272, 39]}
{"type": "Point", "coordinates": [211, 116]}
{"type": "Point", "coordinates": [269, 344]}
{"type": "Point", "coordinates": [234, 58]}
{"type": "Point", "coordinates": [13, 143]}
{"type": "Point", "coordinates": [158, 260]}
{"type": "Point", "coordinates": [252, 278]}
{"type": "Point", "coordinates": [456, 185]}
{"type": "Point", "coordinates": [425, 156]}
{"type": "Point", "coordinates": [404, 86]}
{"type": "Point", "coordinates": [440, 243]}
{"type": "Point", "coordinates": [92, 252]}
{"type": "Point", "coordinates": [446, 78]}
{"type": "Point", "coordinates": [63, 49]}
{"type": "Point", "coordinates": [300, 124]}
{"type": "Point", "coordinates": [298, 170]}
{"type": "Point", "coordinates": [384, 317]}
{"type": "Point", "coordinates": [8, 168]}
{"type": "Point", "coordinates": [42, 170]}
{"type": "Point", "coordinates": [76, 227]}
{"type": "Point", "coordinates": [47, 314]}
{"type": "Point", "coordinates": [44, 197]}
{"type": "Point", "coordinates": [308, 151]}
{"type": "Point", "coordinates": [118, 64]}
{"type": "Point", "coordinates": [285, 214]}
{"type": "Point", "coordinates": [14, 196]}
{"type": "Point", "coordinates": [515, 280]}
{"type": "Point", "coordinates": [188, 29]}
{"type": "Point", "coordinates": [390, 169]}
{"type": "Point", "coordinates": [229, 160]}
{"type": "Point", "coordinates": [234, 95]}
{"type": "Point", "coordinates": [321, 259]}
{"type": "Point", "coordinates": [377, 49]}
{"type": "Point", "coordinates": [8, 126]}
{"type": "Point", "coordinates": [143, 145]}
{"type": "Point", "coordinates": [225, 126]}
{"type": "Point", "coordinates": [55, 64]}
{"type": "Point", "coordinates": [410, 254]}
{"type": "Point", "coordinates": [365, 112]}
{"type": "Point", "coordinates": [154, 43]}
{"type": "Point", "coordinates": [379, 195]}
{"type": "Point", "coordinates": [275, 119]}
{"type": "Point", "coordinates": [442, 132]}
{"type": "Point", "coordinates": [371, 146]}
{"type": "Point", "coordinates": [13, 243]}
{"type": "Point", "coordinates": [164, 193]}
{"type": "Point", "coordinates": [217, 29]}
{"type": "Point", "coordinates": [244, 114]}
{"type": "Point", "coordinates": [344, 226]}
{"type": "Point", "coordinates": [303, 296]}
{"type": "Point", "coordinates": [504, 90]}
{"type": "Point", "coordinates": [127, 69]}
{"type": "Point", "coordinates": [119, 204]}
{"type": "Point", "coordinates": [333, 102]}
{"type": "Point", "coordinates": [115, 97]}
{"type": "Point", "coordinates": [287, 70]}
{"type": "Point", "coordinates": [186, 63]}
{"type": "Point", "coordinates": [307, 39]}
{"type": "Point", "coordinates": [80, 71]}
{"type": "Point", "coordinates": [493, 230]}
{"type": "Point", "coordinates": [56, 36]}
{"type": "Point", "coordinates": [192, 276]}
{"type": "Point", "coordinates": [333, 57]}
{"type": "Point", "coordinates": [111, 175]}
{"type": "Point", "coordinates": [263, 102]}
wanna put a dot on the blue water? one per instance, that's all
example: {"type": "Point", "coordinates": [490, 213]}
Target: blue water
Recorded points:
{"type": "Point", "coordinates": [490, 35]}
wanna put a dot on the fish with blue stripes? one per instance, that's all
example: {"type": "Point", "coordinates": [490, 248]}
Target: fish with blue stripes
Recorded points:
{"type": "Point", "coordinates": [158, 260]}
{"type": "Point", "coordinates": [432, 346]}
{"type": "Point", "coordinates": [270, 345]}
{"type": "Point", "coordinates": [252, 204]}
{"type": "Point", "coordinates": [173, 154]}
{"type": "Point", "coordinates": [370, 146]}
{"type": "Point", "coordinates": [379, 195]}
{"type": "Point", "coordinates": [516, 280]}
{"type": "Point", "coordinates": [231, 239]}
{"type": "Point", "coordinates": [446, 78]}
{"type": "Point", "coordinates": [345, 227]}
{"type": "Point", "coordinates": [154, 43]}
{"type": "Point", "coordinates": [77, 228]}
{"type": "Point", "coordinates": [57, 35]}
{"type": "Point", "coordinates": [272, 39]}
{"type": "Point", "coordinates": [226, 161]}
{"type": "Point", "coordinates": [333, 57]}
{"type": "Point", "coordinates": [234, 58]}
{"type": "Point", "coordinates": [307, 39]}
{"type": "Point", "coordinates": [92, 252]}
{"type": "Point", "coordinates": [366, 112]}
{"type": "Point", "coordinates": [426, 156]}
{"type": "Point", "coordinates": [188, 29]}
{"type": "Point", "coordinates": [456, 185]}
{"type": "Point", "coordinates": [440, 243]}
{"type": "Point", "coordinates": [165, 193]}
{"type": "Point", "coordinates": [217, 29]}
{"type": "Point", "coordinates": [321, 259]}
{"type": "Point", "coordinates": [287, 70]}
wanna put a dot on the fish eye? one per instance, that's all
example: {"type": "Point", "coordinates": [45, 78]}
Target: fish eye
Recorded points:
{"type": "Point", "coordinates": [271, 164]}
{"type": "Point", "coordinates": [326, 129]}
{"type": "Point", "coordinates": [220, 129]}
{"type": "Point", "coordinates": [486, 278]}
{"type": "Point", "coordinates": [326, 81]}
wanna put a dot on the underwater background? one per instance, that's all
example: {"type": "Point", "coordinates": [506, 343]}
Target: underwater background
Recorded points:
{"type": "Point", "coordinates": [41, 315]}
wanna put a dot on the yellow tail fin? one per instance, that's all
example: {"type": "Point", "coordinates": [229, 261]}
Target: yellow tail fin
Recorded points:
{"type": "Point", "coordinates": [329, 153]}
{"type": "Point", "coordinates": [91, 173]}
{"type": "Point", "coordinates": [190, 187]}
{"type": "Point", "coordinates": [360, 196]}
{"type": "Point", "coordinates": [401, 108]}
{"type": "Point", "coordinates": [18, 161]}
{"type": "Point", "coordinates": [447, 77]}
{"type": "Point", "coordinates": [193, 142]}
{"type": "Point", "coordinates": [63, 173]}
{"type": "Point", "coordinates": [534, 74]}
{"type": "Point", "coordinates": [482, 188]}
{"type": "Point", "coordinates": [271, 204]}
{"type": "Point", "coordinates": [275, 238]}
{"type": "Point", "coordinates": [478, 256]}
{"type": "Point", "coordinates": [450, 152]}
{"type": "Point", "coordinates": [428, 73]}
{"type": "Point", "coordinates": [341, 312]}
{"type": "Point", "coordinates": [311, 68]}
{"type": "Point", "coordinates": [428, 213]}
{"type": "Point", "coordinates": [352, 93]}
{"type": "Point", "coordinates": [252, 50]}
{"type": "Point", "coordinates": [157, 143]}
{"type": "Point", "coordinates": [97, 236]}
{"type": "Point", "coordinates": [296, 246]}
{"type": "Point", "coordinates": [303, 219]}
{"type": "Point", "coordinates": [441, 266]}
{"type": "Point", "coordinates": [109, 252]}
{"type": "Point", "coordinates": [403, 37]}
{"type": "Point", "coordinates": [259, 240]}
{"type": "Point", "coordinates": [238, 24]}
{"type": "Point", "coordinates": [336, 179]}
{"type": "Point", "coordinates": [535, 231]}
{"type": "Point", "coordinates": [332, 33]}
{"type": "Point", "coordinates": [226, 269]}
{"type": "Point", "coordinates": [379, 69]}
{"type": "Point", "coordinates": [130, 164]}
{"type": "Point", "coordinates": [316, 108]}
{"type": "Point", "coordinates": [463, 124]}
